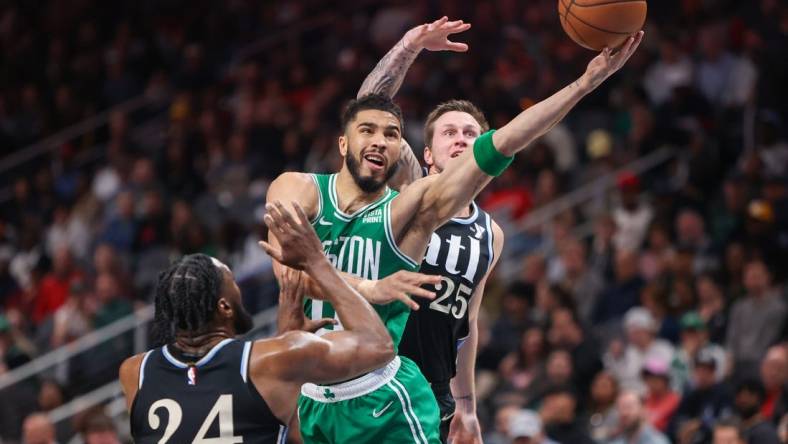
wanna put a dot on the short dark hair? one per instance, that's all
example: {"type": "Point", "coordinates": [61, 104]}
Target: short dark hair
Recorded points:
{"type": "Point", "coordinates": [186, 296]}
{"type": "Point", "coordinates": [462, 106]}
{"type": "Point", "coordinates": [371, 101]}
{"type": "Point", "coordinates": [751, 385]}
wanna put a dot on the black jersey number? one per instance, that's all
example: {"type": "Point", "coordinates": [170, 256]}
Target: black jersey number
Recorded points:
{"type": "Point", "coordinates": [446, 289]}
{"type": "Point", "coordinates": [223, 409]}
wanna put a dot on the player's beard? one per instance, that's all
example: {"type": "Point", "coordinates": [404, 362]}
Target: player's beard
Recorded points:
{"type": "Point", "coordinates": [368, 184]}
{"type": "Point", "coordinates": [243, 320]}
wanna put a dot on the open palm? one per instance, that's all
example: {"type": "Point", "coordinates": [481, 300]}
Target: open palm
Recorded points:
{"type": "Point", "coordinates": [606, 63]}
{"type": "Point", "coordinates": [435, 36]}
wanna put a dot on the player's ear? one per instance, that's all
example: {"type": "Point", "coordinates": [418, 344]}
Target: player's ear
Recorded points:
{"type": "Point", "coordinates": [343, 145]}
{"type": "Point", "coordinates": [428, 156]}
{"type": "Point", "coordinates": [225, 308]}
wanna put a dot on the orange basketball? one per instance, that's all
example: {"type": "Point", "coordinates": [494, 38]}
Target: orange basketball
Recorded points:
{"type": "Point", "coordinates": [595, 24]}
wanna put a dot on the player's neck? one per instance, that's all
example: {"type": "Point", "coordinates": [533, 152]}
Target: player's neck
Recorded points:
{"type": "Point", "coordinates": [201, 344]}
{"type": "Point", "coordinates": [350, 197]}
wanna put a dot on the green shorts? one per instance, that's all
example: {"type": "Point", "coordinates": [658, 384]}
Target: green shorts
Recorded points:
{"type": "Point", "coordinates": [393, 404]}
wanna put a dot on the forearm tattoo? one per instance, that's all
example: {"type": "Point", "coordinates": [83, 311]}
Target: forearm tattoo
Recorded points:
{"type": "Point", "coordinates": [389, 73]}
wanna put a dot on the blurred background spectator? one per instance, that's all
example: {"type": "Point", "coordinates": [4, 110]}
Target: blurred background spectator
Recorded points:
{"type": "Point", "coordinates": [633, 313]}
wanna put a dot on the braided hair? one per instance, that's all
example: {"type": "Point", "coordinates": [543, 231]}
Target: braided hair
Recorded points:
{"type": "Point", "coordinates": [186, 296]}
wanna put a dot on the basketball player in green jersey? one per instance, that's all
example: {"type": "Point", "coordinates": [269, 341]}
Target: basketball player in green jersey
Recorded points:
{"type": "Point", "coordinates": [370, 231]}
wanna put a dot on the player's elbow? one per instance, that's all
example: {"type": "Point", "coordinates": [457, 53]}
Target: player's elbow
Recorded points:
{"type": "Point", "coordinates": [380, 351]}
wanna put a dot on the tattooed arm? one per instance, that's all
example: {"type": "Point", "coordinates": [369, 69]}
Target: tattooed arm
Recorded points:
{"type": "Point", "coordinates": [389, 73]}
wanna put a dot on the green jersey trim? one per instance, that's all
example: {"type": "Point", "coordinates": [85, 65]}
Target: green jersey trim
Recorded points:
{"type": "Point", "coordinates": [390, 236]}
{"type": "Point", "coordinates": [319, 200]}
{"type": "Point", "coordinates": [341, 215]}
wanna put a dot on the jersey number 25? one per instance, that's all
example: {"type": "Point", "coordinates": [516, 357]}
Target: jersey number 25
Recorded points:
{"type": "Point", "coordinates": [446, 289]}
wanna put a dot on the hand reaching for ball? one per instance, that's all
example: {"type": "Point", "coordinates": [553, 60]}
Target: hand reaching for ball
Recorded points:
{"type": "Point", "coordinates": [607, 62]}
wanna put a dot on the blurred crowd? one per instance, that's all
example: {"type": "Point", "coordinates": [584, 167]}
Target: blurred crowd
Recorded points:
{"type": "Point", "coordinates": [663, 322]}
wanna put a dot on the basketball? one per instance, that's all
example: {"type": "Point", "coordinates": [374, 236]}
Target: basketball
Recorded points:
{"type": "Point", "coordinates": [595, 24]}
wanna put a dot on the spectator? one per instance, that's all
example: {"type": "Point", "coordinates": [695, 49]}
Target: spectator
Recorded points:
{"type": "Point", "coordinates": [54, 288]}
{"type": "Point", "coordinates": [603, 418]}
{"type": "Point", "coordinates": [38, 429]}
{"type": "Point", "coordinates": [525, 366]}
{"type": "Point", "coordinates": [603, 252]}
{"type": "Point", "coordinates": [111, 305]}
{"type": "Point", "coordinates": [68, 230]}
{"type": "Point", "coordinates": [691, 234]}
{"type": "Point", "coordinates": [500, 434]}
{"type": "Point", "coordinates": [15, 349]}
{"type": "Point", "coordinates": [121, 227]}
{"type": "Point", "coordinates": [622, 294]}
{"type": "Point", "coordinates": [673, 69]}
{"type": "Point", "coordinates": [756, 321]}
{"type": "Point", "coordinates": [626, 362]}
{"type": "Point", "coordinates": [516, 304]}
{"type": "Point", "coordinates": [50, 396]}
{"type": "Point", "coordinates": [633, 217]}
{"type": "Point", "coordinates": [73, 319]}
{"type": "Point", "coordinates": [566, 333]}
{"type": "Point", "coordinates": [727, 218]}
{"type": "Point", "coordinates": [656, 299]}
{"type": "Point", "coordinates": [774, 374]}
{"type": "Point", "coordinates": [559, 415]}
{"type": "Point", "coordinates": [711, 307]}
{"type": "Point", "coordinates": [656, 259]}
{"type": "Point", "coordinates": [750, 395]}
{"type": "Point", "coordinates": [525, 427]}
{"type": "Point", "coordinates": [695, 337]}
{"type": "Point", "coordinates": [581, 281]}
{"type": "Point", "coordinates": [660, 401]}
{"type": "Point", "coordinates": [707, 402]}
{"type": "Point", "coordinates": [727, 432]}
{"type": "Point", "coordinates": [633, 425]}
{"type": "Point", "coordinates": [99, 429]}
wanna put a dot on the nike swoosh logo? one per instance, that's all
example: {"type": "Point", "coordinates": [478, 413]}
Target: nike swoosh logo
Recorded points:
{"type": "Point", "coordinates": [448, 417]}
{"type": "Point", "coordinates": [323, 221]}
{"type": "Point", "coordinates": [376, 414]}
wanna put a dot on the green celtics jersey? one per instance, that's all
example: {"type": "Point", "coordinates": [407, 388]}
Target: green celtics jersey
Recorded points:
{"type": "Point", "coordinates": [360, 244]}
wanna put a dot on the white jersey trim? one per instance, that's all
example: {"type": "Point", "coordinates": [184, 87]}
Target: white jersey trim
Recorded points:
{"type": "Point", "coordinates": [355, 388]}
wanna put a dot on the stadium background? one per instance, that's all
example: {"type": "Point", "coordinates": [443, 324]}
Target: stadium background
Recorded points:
{"type": "Point", "coordinates": [135, 132]}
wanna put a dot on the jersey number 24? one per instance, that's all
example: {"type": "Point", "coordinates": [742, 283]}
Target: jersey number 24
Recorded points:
{"type": "Point", "coordinates": [223, 409]}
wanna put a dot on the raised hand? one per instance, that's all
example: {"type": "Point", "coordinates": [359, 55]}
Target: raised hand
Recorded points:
{"type": "Point", "coordinates": [606, 63]}
{"type": "Point", "coordinates": [300, 242]}
{"type": "Point", "coordinates": [291, 304]}
{"type": "Point", "coordinates": [435, 36]}
{"type": "Point", "coordinates": [398, 287]}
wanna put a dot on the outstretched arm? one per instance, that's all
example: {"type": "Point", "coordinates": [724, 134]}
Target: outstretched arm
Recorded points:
{"type": "Point", "coordinates": [431, 201]}
{"type": "Point", "coordinates": [389, 73]}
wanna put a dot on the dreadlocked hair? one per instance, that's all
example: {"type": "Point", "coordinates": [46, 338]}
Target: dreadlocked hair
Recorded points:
{"type": "Point", "coordinates": [186, 296]}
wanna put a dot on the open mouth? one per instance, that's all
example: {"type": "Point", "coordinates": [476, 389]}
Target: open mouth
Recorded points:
{"type": "Point", "coordinates": [375, 161]}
